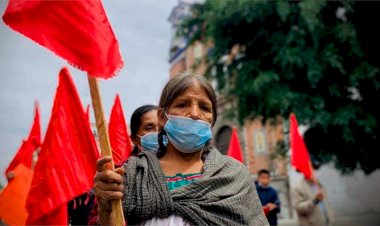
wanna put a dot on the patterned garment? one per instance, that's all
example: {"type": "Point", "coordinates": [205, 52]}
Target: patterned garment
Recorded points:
{"type": "Point", "coordinates": [173, 183]}
{"type": "Point", "coordinates": [180, 180]}
{"type": "Point", "coordinates": [223, 195]}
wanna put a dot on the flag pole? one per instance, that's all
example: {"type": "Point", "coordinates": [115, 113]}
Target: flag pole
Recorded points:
{"type": "Point", "coordinates": [101, 126]}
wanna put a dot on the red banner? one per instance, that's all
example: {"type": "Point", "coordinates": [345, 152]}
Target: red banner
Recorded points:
{"type": "Point", "coordinates": [77, 31]}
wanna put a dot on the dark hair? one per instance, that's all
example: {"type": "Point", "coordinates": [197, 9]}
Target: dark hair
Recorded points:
{"type": "Point", "coordinates": [263, 171]}
{"type": "Point", "coordinates": [136, 117]}
{"type": "Point", "coordinates": [136, 121]}
{"type": "Point", "coordinates": [174, 88]}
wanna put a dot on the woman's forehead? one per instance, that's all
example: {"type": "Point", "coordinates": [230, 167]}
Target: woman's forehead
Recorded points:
{"type": "Point", "coordinates": [194, 89]}
{"type": "Point", "coordinates": [149, 116]}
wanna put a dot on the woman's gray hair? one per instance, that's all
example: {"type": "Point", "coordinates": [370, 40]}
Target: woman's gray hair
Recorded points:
{"type": "Point", "coordinates": [178, 84]}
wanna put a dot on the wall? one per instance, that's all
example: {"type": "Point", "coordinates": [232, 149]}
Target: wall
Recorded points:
{"type": "Point", "coordinates": [260, 145]}
{"type": "Point", "coordinates": [352, 197]}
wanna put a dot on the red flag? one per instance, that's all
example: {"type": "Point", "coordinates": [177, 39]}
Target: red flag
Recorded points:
{"type": "Point", "coordinates": [234, 149]}
{"type": "Point", "coordinates": [13, 197]}
{"type": "Point", "coordinates": [67, 160]}
{"type": "Point", "coordinates": [300, 158]}
{"type": "Point", "coordinates": [119, 138]}
{"type": "Point", "coordinates": [77, 31]}
{"type": "Point", "coordinates": [25, 153]}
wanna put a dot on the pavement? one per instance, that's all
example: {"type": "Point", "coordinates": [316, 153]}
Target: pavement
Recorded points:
{"type": "Point", "coordinates": [353, 220]}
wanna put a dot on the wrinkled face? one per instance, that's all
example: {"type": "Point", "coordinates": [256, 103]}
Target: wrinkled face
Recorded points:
{"type": "Point", "coordinates": [193, 103]}
{"type": "Point", "coordinates": [264, 179]}
{"type": "Point", "coordinates": [149, 124]}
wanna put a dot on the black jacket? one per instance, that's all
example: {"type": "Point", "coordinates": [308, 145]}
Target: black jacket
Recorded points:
{"type": "Point", "coordinates": [269, 195]}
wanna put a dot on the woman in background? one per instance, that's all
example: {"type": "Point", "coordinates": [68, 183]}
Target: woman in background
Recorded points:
{"type": "Point", "coordinates": [144, 132]}
{"type": "Point", "coordinates": [144, 129]}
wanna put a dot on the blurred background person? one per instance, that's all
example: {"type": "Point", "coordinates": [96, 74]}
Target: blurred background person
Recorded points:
{"type": "Point", "coordinates": [268, 196]}
{"type": "Point", "coordinates": [310, 200]}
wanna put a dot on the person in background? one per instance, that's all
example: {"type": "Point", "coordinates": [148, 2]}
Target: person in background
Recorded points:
{"type": "Point", "coordinates": [144, 132]}
{"type": "Point", "coordinates": [268, 196]}
{"type": "Point", "coordinates": [144, 129]}
{"type": "Point", "coordinates": [310, 201]}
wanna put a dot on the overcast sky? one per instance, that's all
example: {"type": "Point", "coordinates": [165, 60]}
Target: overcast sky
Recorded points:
{"type": "Point", "coordinates": [29, 72]}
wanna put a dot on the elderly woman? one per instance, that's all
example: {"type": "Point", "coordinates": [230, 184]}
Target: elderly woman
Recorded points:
{"type": "Point", "coordinates": [187, 182]}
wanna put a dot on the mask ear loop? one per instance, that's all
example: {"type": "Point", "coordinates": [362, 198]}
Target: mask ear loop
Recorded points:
{"type": "Point", "coordinates": [167, 115]}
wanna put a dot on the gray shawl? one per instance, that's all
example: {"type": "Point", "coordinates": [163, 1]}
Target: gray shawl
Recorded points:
{"type": "Point", "coordinates": [223, 196]}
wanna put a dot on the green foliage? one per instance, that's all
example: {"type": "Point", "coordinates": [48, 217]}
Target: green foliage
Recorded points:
{"type": "Point", "coordinates": [317, 59]}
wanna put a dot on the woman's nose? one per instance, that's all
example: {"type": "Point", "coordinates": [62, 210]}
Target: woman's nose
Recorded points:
{"type": "Point", "coordinates": [195, 112]}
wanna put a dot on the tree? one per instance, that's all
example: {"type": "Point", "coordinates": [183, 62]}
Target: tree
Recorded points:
{"type": "Point", "coordinates": [317, 59]}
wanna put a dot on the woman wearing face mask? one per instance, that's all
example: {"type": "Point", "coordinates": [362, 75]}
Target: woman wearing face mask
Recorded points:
{"type": "Point", "coordinates": [187, 182]}
{"type": "Point", "coordinates": [144, 133]}
{"type": "Point", "coordinates": [144, 129]}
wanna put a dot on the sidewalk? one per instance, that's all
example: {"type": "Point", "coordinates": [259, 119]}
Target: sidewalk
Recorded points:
{"type": "Point", "coordinates": [287, 222]}
{"type": "Point", "coordinates": [357, 220]}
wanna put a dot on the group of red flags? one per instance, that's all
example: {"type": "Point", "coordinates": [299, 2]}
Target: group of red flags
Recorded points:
{"type": "Point", "coordinates": [66, 163]}
{"type": "Point", "coordinates": [79, 32]}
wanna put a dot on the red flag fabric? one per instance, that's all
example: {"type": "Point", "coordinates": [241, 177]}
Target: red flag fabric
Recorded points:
{"type": "Point", "coordinates": [234, 149]}
{"type": "Point", "coordinates": [25, 153]}
{"type": "Point", "coordinates": [13, 197]}
{"type": "Point", "coordinates": [300, 158]}
{"type": "Point", "coordinates": [67, 160]}
{"type": "Point", "coordinates": [77, 31]}
{"type": "Point", "coordinates": [118, 132]}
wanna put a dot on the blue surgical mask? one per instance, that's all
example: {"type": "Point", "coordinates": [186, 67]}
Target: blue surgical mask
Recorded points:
{"type": "Point", "coordinates": [149, 142]}
{"type": "Point", "coordinates": [186, 134]}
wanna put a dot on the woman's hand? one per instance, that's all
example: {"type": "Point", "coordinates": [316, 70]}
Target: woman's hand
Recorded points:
{"type": "Point", "coordinates": [108, 185]}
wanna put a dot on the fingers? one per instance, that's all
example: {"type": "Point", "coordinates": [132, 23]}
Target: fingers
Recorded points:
{"type": "Point", "coordinates": [107, 195]}
{"type": "Point", "coordinates": [120, 170]}
{"type": "Point", "coordinates": [100, 164]}
{"type": "Point", "coordinates": [109, 186]}
{"type": "Point", "coordinates": [319, 196]}
{"type": "Point", "coordinates": [108, 176]}
{"type": "Point", "coordinates": [107, 183]}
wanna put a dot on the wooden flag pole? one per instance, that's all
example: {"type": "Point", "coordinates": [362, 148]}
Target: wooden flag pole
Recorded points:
{"type": "Point", "coordinates": [101, 126]}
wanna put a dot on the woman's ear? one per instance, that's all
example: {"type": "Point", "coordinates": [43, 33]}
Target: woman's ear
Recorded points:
{"type": "Point", "coordinates": [134, 140]}
{"type": "Point", "coordinates": [161, 118]}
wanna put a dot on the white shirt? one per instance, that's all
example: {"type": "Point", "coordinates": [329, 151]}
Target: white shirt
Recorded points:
{"type": "Point", "coordinates": [169, 221]}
